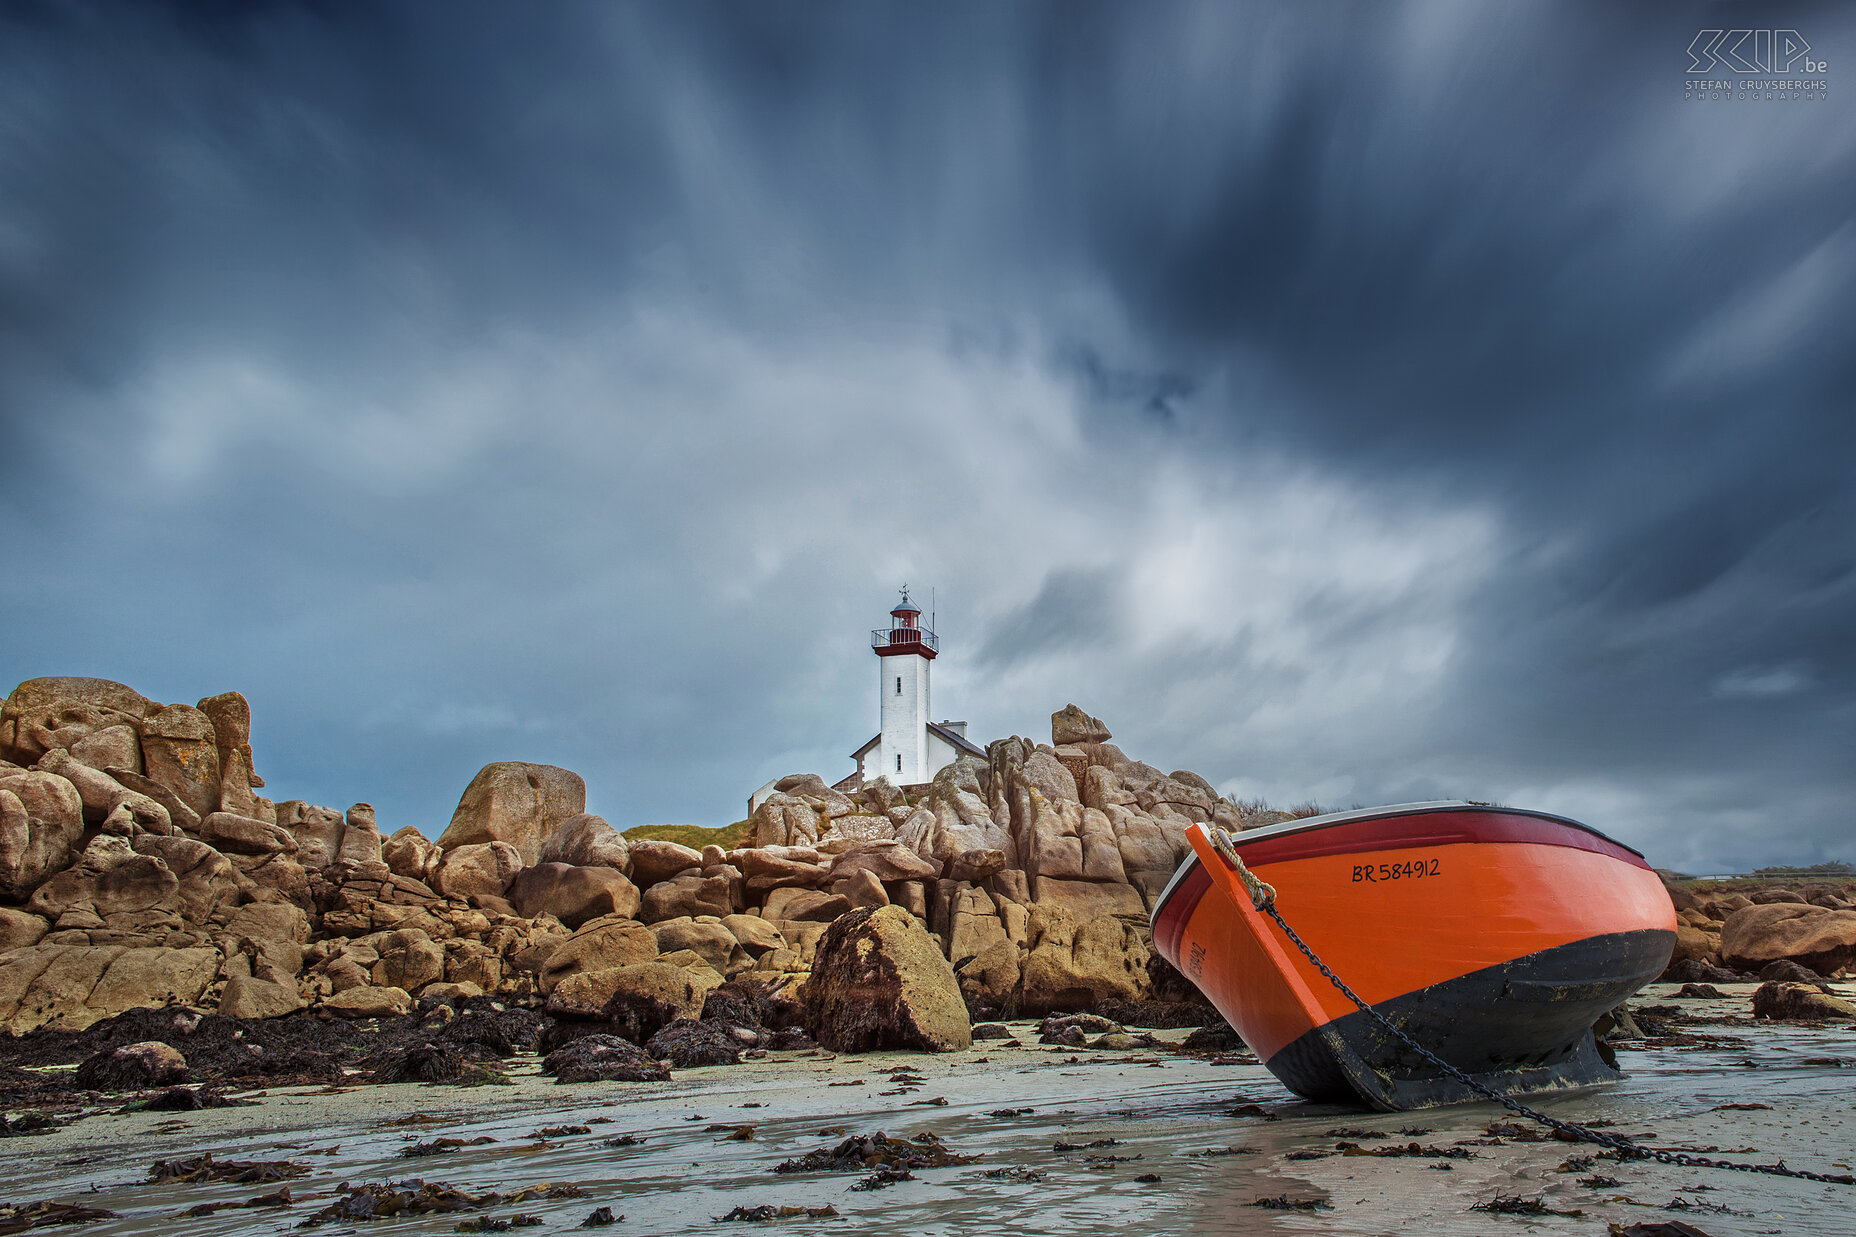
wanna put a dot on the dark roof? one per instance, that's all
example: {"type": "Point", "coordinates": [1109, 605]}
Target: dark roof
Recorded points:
{"type": "Point", "coordinates": [959, 741]}
{"type": "Point", "coordinates": [952, 738]}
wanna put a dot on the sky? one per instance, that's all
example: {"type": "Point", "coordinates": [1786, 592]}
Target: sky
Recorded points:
{"type": "Point", "coordinates": [1351, 403]}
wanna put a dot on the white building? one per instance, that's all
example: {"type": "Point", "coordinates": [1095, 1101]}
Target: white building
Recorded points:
{"type": "Point", "coordinates": [910, 749]}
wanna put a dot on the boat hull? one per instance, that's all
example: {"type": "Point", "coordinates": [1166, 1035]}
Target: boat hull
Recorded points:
{"type": "Point", "coordinates": [1493, 937]}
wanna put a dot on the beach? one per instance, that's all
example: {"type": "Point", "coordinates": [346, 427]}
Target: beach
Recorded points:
{"type": "Point", "coordinates": [1062, 1140]}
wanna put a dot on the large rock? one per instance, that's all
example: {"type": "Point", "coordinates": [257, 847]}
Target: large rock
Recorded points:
{"type": "Point", "coordinates": [653, 860]}
{"type": "Point", "coordinates": [706, 937]}
{"type": "Point", "coordinates": [361, 841]}
{"type": "Point", "coordinates": [596, 946]}
{"type": "Point", "coordinates": [587, 841]}
{"type": "Point", "coordinates": [233, 834]}
{"type": "Point", "coordinates": [133, 1067]}
{"type": "Point", "coordinates": [182, 816]}
{"type": "Point", "coordinates": [230, 715]}
{"type": "Point", "coordinates": [1075, 963]}
{"type": "Point", "coordinates": [973, 924]}
{"type": "Point", "coordinates": [141, 978]}
{"type": "Point", "coordinates": [687, 895]}
{"type": "Point", "coordinates": [639, 999]}
{"type": "Point", "coordinates": [32, 851]}
{"type": "Point", "coordinates": [19, 929]}
{"type": "Point", "coordinates": [757, 936]}
{"type": "Point", "coordinates": [861, 888]}
{"type": "Point", "coordinates": [317, 831]}
{"type": "Point", "coordinates": [113, 745]}
{"type": "Point", "coordinates": [1092, 900]}
{"type": "Point", "coordinates": [481, 868]}
{"type": "Point", "coordinates": [369, 1001]}
{"type": "Point", "coordinates": [406, 853]}
{"type": "Point", "coordinates": [858, 827]}
{"type": "Point", "coordinates": [989, 979]}
{"type": "Point", "coordinates": [96, 790]}
{"type": "Point", "coordinates": [279, 873]}
{"type": "Point", "coordinates": [1065, 840]}
{"type": "Point", "coordinates": [270, 921]}
{"type": "Point", "coordinates": [1071, 725]}
{"type": "Point", "coordinates": [1151, 849]}
{"type": "Point", "coordinates": [602, 1058]}
{"type": "Point", "coordinates": [885, 860]}
{"type": "Point", "coordinates": [784, 820]}
{"type": "Point", "coordinates": [245, 997]}
{"type": "Point", "coordinates": [47, 713]}
{"type": "Point", "coordinates": [805, 904]}
{"type": "Point", "coordinates": [1692, 942]}
{"type": "Point", "coordinates": [880, 981]}
{"type": "Point", "coordinates": [409, 959]}
{"type": "Point", "coordinates": [180, 752]}
{"type": "Point", "coordinates": [109, 879]}
{"type": "Point", "coordinates": [572, 895]}
{"type": "Point", "coordinates": [206, 879]}
{"type": "Point", "coordinates": [69, 987]}
{"type": "Point", "coordinates": [1823, 940]}
{"type": "Point", "coordinates": [48, 798]}
{"type": "Point", "coordinates": [1795, 1001]}
{"type": "Point", "coordinates": [1049, 776]}
{"type": "Point", "coordinates": [521, 804]}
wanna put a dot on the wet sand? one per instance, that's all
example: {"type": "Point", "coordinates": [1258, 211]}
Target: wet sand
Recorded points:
{"type": "Point", "coordinates": [1161, 1109]}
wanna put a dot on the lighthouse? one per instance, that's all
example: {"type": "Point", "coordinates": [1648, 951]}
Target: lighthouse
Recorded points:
{"type": "Point", "coordinates": [910, 749]}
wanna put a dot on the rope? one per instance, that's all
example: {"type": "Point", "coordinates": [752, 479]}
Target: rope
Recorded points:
{"type": "Point", "coordinates": [1264, 898]}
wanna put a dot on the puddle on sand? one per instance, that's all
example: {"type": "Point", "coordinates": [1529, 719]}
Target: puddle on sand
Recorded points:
{"type": "Point", "coordinates": [680, 1174]}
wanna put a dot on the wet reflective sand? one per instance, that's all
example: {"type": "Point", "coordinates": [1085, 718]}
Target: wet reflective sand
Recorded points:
{"type": "Point", "coordinates": [1163, 1112]}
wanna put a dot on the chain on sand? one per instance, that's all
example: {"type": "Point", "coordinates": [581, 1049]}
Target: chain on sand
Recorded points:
{"type": "Point", "coordinates": [1625, 1148]}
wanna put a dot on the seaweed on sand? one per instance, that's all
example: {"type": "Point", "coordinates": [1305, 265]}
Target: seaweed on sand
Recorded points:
{"type": "Point", "coordinates": [877, 1150]}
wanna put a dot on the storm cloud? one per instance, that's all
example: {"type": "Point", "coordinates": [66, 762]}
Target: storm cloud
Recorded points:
{"type": "Point", "coordinates": [1356, 403]}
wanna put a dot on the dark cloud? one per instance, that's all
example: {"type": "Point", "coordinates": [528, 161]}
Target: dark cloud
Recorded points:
{"type": "Point", "coordinates": [1359, 404]}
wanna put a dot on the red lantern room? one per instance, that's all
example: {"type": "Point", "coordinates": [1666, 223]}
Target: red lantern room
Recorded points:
{"type": "Point", "coordinates": [905, 633]}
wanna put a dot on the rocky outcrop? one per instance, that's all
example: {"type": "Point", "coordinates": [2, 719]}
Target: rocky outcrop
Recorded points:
{"type": "Point", "coordinates": [521, 804]}
{"type": "Point", "coordinates": [133, 1067]}
{"type": "Point", "coordinates": [140, 865]}
{"type": "Point", "coordinates": [599, 944]}
{"type": "Point", "coordinates": [1070, 725]}
{"type": "Point", "coordinates": [572, 895]}
{"type": "Point", "coordinates": [1823, 940]}
{"type": "Point", "coordinates": [638, 1000]}
{"type": "Point", "coordinates": [602, 1058]}
{"type": "Point", "coordinates": [180, 751]}
{"type": "Point", "coordinates": [369, 1001]}
{"type": "Point", "coordinates": [708, 892]}
{"type": "Point", "coordinates": [230, 716]}
{"type": "Point", "coordinates": [69, 987]}
{"type": "Point", "coordinates": [65, 713]}
{"type": "Point", "coordinates": [587, 841]}
{"type": "Point", "coordinates": [480, 868]}
{"type": "Point", "coordinates": [880, 981]}
{"type": "Point", "coordinates": [32, 850]}
{"type": "Point", "coordinates": [1787, 1001]}
{"type": "Point", "coordinates": [1075, 963]}
{"type": "Point", "coordinates": [48, 798]}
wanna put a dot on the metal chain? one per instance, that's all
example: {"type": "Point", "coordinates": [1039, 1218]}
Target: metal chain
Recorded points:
{"type": "Point", "coordinates": [1625, 1148]}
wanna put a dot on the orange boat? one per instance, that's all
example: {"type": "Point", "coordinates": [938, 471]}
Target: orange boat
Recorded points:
{"type": "Point", "coordinates": [1492, 936]}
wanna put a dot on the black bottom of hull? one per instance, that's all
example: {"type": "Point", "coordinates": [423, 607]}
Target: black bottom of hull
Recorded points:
{"type": "Point", "coordinates": [1521, 1027]}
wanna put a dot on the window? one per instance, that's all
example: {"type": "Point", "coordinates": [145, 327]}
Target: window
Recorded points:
{"type": "Point", "coordinates": [898, 685]}
{"type": "Point", "coordinates": [898, 754]}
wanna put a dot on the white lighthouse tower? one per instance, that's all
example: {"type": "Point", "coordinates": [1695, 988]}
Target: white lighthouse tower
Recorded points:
{"type": "Point", "coordinates": [910, 749]}
{"type": "Point", "coordinates": [905, 651]}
